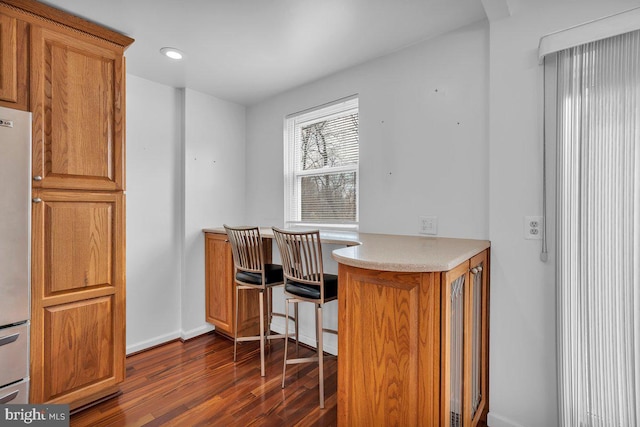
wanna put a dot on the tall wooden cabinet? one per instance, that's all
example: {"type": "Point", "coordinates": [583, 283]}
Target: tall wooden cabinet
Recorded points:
{"type": "Point", "coordinates": [70, 74]}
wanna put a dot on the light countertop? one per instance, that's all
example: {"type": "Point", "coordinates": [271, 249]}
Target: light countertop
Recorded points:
{"type": "Point", "coordinates": [390, 252]}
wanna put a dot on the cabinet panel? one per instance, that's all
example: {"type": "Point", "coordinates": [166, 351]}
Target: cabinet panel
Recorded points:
{"type": "Point", "coordinates": [78, 295]}
{"type": "Point", "coordinates": [78, 245]}
{"type": "Point", "coordinates": [13, 62]}
{"type": "Point", "coordinates": [78, 345]}
{"type": "Point", "coordinates": [76, 93]}
{"type": "Point", "coordinates": [388, 368]}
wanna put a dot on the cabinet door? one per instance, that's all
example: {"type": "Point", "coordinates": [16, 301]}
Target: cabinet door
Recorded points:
{"type": "Point", "coordinates": [13, 62]}
{"type": "Point", "coordinates": [465, 352]}
{"type": "Point", "coordinates": [476, 365]}
{"type": "Point", "coordinates": [77, 299]}
{"type": "Point", "coordinates": [220, 289]}
{"type": "Point", "coordinates": [77, 99]}
{"type": "Point", "coordinates": [389, 348]}
{"type": "Point", "coordinates": [454, 295]}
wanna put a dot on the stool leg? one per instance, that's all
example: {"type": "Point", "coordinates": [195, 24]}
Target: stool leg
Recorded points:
{"type": "Point", "coordinates": [320, 354]}
{"type": "Point", "coordinates": [295, 324]}
{"type": "Point", "coordinates": [262, 373]}
{"type": "Point", "coordinates": [235, 328]}
{"type": "Point", "coordinates": [286, 339]}
{"type": "Point", "coordinates": [267, 332]}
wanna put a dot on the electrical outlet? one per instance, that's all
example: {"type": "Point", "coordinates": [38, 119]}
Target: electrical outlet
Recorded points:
{"type": "Point", "coordinates": [533, 227]}
{"type": "Point", "coordinates": [429, 225]}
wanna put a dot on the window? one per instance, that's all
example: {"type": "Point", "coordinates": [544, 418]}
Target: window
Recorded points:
{"type": "Point", "coordinates": [321, 151]}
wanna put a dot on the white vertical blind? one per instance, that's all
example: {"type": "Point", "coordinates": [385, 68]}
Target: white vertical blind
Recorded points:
{"type": "Point", "coordinates": [598, 232]}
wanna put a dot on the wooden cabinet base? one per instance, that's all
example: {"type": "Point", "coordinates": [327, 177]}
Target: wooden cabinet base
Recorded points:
{"type": "Point", "coordinates": [95, 399]}
{"type": "Point", "coordinates": [413, 347]}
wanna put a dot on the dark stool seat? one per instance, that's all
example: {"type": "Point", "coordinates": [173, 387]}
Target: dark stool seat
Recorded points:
{"type": "Point", "coordinates": [305, 290]}
{"type": "Point", "coordinates": [272, 273]}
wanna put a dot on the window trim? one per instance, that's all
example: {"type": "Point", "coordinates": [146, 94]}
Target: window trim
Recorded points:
{"type": "Point", "coordinates": [292, 177]}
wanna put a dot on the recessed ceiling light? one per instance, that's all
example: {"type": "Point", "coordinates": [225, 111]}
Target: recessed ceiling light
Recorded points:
{"type": "Point", "coordinates": [172, 53]}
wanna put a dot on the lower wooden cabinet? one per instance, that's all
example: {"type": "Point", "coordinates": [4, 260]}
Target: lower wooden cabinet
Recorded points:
{"type": "Point", "coordinates": [78, 296]}
{"type": "Point", "coordinates": [413, 347]}
{"type": "Point", "coordinates": [220, 289]}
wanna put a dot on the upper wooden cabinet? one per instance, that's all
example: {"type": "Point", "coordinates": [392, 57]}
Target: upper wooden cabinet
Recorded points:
{"type": "Point", "coordinates": [69, 73]}
{"type": "Point", "coordinates": [14, 72]}
{"type": "Point", "coordinates": [77, 93]}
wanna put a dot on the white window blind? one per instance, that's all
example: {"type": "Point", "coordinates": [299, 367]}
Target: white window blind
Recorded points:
{"type": "Point", "coordinates": [321, 166]}
{"type": "Point", "coordinates": [597, 202]}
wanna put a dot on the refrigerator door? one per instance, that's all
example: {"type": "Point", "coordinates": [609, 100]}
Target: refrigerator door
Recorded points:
{"type": "Point", "coordinates": [14, 344]}
{"type": "Point", "coordinates": [15, 215]}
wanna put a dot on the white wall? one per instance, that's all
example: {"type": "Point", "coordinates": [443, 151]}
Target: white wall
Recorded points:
{"type": "Point", "coordinates": [522, 338]}
{"type": "Point", "coordinates": [422, 152]}
{"type": "Point", "coordinates": [214, 183]}
{"type": "Point", "coordinates": [423, 144]}
{"type": "Point", "coordinates": [153, 213]}
{"type": "Point", "coordinates": [185, 172]}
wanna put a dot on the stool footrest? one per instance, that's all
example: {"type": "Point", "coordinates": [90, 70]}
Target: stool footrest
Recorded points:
{"type": "Point", "coordinates": [301, 360]}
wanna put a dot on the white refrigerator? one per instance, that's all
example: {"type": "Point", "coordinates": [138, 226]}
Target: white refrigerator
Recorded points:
{"type": "Point", "coordinates": [15, 254]}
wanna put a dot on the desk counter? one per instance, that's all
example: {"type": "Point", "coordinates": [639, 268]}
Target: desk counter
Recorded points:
{"type": "Point", "coordinates": [392, 252]}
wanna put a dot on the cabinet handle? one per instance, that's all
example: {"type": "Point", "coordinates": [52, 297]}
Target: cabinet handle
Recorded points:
{"type": "Point", "coordinates": [9, 339]}
{"type": "Point", "coordinates": [9, 397]}
{"type": "Point", "coordinates": [37, 200]}
{"type": "Point", "coordinates": [37, 178]}
{"type": "Point", "coordinates": [476, 270]}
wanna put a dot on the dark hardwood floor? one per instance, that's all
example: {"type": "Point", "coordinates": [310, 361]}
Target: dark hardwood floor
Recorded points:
{"type": "Point", "coordinates": [197, 383]}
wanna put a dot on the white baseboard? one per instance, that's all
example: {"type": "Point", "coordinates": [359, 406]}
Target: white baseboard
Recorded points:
{"type": "Point", "coordinates": [161, 339]}
{"type": "Point", "coordinates": [494, 420]}
{"type": "Point", "coordinates": [134, 348]}
{"type": "Point", "coordinates": [306, 339]}
{"type": "Point", "coordinates": [187, 335]}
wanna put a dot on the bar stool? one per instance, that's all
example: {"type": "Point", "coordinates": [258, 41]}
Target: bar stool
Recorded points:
{"type": "Point", "coordinates": [305, 281]}
{"type": "Point", "coordinates": [251, 273]}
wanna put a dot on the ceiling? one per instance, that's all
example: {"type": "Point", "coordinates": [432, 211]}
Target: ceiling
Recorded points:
{"type": "Point", "coordinates": [245, 51]}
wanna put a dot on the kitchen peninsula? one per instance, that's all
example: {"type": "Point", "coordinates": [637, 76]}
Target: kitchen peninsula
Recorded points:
{"type": "Point", "coordinates": [413, 325]}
